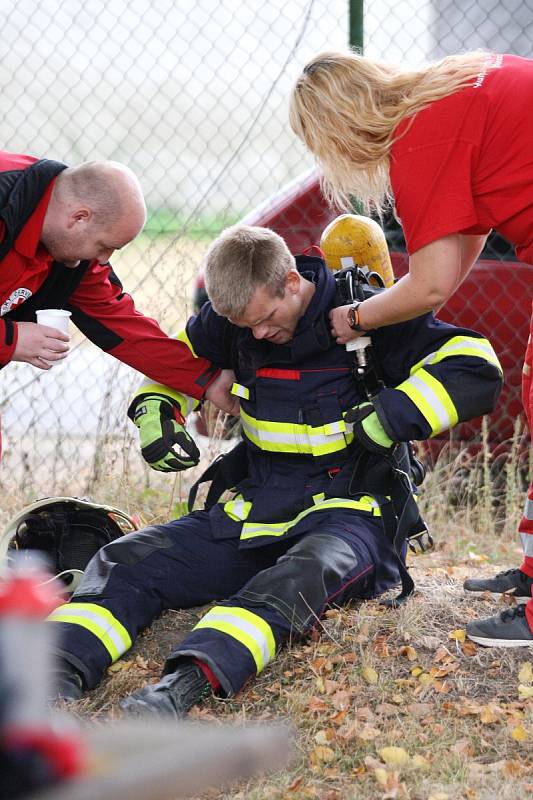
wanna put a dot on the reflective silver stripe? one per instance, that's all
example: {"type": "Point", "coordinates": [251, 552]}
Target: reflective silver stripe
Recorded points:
{"type": "Point", "coordinates": [432, 398]}
{"type": "Point", "coordinates": [247, 628]}
{"type": "Point", "coordinates": [527, 543]}
{"type": "Point", "coordinates": [100, 622]}
{"type": "Point", "coordinates": [296, 438]}
{"type": "Point", "coordinates": [462, 345]}
{"type": "Point", "coordinates": [239, 390]}
{"type": "Point", "coordinates": [528, 509]}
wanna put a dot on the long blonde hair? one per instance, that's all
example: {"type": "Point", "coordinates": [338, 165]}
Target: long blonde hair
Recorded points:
{"type": "Point", "coordinates": [346, 107]}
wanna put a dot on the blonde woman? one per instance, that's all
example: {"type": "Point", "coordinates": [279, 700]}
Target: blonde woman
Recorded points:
{"type": "Point", "coordinates": [451, 146]}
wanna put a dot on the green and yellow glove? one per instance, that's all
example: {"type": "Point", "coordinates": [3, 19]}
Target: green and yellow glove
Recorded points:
{"type": "Point", "coordinates": [368, 430]}
{"type": "Point", "coordinates": [165, 444]}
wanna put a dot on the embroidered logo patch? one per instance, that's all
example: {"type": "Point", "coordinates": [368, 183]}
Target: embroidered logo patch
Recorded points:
{"type": "Point", "coordinates": [15, 299]}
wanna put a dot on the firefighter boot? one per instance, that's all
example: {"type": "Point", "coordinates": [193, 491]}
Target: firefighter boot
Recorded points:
{"type": "Point", "coordinates": [174, 695]}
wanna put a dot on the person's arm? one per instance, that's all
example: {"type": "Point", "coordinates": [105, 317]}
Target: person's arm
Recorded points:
{"type": "Point", "coordinates": [108, 317]}
{"type": "Point", "coordinates": [437, 376]}
{"type": "Point", "coordinates": [435, 272]}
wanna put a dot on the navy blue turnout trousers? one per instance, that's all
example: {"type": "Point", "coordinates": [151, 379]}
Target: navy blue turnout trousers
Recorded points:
{"type": "Point", "coordinates": [270, 591]}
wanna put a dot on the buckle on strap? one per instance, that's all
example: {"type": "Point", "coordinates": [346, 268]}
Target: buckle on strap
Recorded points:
{"type": "Point", "coordinates": [421, 542]}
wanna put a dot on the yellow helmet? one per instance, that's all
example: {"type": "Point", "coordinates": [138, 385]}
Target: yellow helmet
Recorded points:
{"type": "Point", "coordinates": [353, 240]}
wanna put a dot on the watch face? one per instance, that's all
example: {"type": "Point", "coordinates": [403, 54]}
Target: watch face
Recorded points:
{"type": "Point", "coordinates": [351, 318]}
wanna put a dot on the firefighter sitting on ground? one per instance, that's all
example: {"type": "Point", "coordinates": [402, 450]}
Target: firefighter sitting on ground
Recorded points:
{"type": "Point", "coordinates": [309, 524]}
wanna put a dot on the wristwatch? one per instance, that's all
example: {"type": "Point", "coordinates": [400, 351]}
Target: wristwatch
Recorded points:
{"type": "Point", "coordinates": [353, 318]}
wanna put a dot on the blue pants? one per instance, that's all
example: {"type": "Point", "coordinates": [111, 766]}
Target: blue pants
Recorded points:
{"type": "Point", "coordinates": [271, 592]}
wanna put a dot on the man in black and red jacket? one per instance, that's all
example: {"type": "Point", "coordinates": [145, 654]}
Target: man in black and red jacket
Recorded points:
{"type": "Point", "coordinates": [59, 226]}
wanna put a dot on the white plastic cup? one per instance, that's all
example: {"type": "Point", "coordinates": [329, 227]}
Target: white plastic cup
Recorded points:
{"type": "Point", "coordinates": [54, 317]}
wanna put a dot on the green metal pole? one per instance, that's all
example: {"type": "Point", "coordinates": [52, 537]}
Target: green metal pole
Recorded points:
{"type": "Point", "coordinates": [355, 24]}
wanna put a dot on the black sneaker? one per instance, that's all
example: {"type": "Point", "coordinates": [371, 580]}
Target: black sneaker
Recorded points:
{"type": "Point", "coordinates": [507, 629]}
{"type": "Point", "coordinates": [513, 582]}
{"type": "Point", "coordinates": [174, 695]}
{"type": "Point", "coordinates": [67, 683]}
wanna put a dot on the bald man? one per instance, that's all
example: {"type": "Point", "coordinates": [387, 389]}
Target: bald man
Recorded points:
{"type": "Point", "coordinates": [59, 227]}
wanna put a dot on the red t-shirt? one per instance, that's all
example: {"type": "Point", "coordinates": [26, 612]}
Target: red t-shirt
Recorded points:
{"type": "Point", "coordinates": [465, 163]}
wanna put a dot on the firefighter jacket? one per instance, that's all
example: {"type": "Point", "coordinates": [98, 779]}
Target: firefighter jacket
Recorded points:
{"type": "Point", "coordinates": [300, 451]}
{"type": "Point", "coordinates": [30, 280]}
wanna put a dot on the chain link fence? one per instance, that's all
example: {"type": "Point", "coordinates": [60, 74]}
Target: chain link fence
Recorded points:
{"type": "Point", "coordinates": [193, 97]}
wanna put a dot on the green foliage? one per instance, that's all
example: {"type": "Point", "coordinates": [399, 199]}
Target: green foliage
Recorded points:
{"type": "Point", "coordinates": [166, 222]}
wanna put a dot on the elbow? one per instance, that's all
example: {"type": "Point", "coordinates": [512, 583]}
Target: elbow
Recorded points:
{"type": "Point", "coordinates": [437, 297]}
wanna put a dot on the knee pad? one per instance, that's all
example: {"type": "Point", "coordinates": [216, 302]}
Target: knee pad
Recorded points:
{"type": "Point", "coordinates": [127, 551]}
{"type": "Point", "coordinates": [300, 583]}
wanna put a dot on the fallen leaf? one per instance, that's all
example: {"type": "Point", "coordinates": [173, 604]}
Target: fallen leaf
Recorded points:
{"type": "Point", "coordinates": [487, 716]}
{"type": "Point", "coordinates": [338, 718]}
{"type": "Point", "coordinates": [525, 692]}
{"type": "Point", "coordinates": [324, 737]}
{"type": "Point", "coordinates": [463, 747]}
{"type": "Point", "coordinates": [419, 762]}
{"type": "Point", "coordinates": [370, 675]}
{"type": "Point", "coordinates": [120, 666]}
{"type": "Point", "coordinates": [316, 705]}
{"type": "Point", "coordinates": [475, 557]}
{"type": "Point", "coordinates": [380, 646]}
{"type": "Point", "coordinates": [368, 734]}
{"type": "Point", "coordinates": [408, 652]}
{"type": "Point", "coordinates": [519, 734]}
{"type": "Point", "coordinates": [331, 686]}
{"type": "Point", "coordinates": [341, 699]}
{"type": "Point", "coordinates": [525, 673]}
{"type": "Point", "coordinates": [459, 635]}
{"type": "Point", "coordinates": [395, 756]}
{"type": "Point", "coordinates": [322, 754]}
{"type": "Point", "coordinates": [380, 774]}
{"type": "Point", "coordinates": [419, 709]}
{"type": "Point", "coordinates": [469, 648]}
{"type": "Point", "coordinates": [416, 671]}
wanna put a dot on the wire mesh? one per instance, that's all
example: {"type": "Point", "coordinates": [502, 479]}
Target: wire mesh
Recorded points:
{"type": "Point", "coordinates": [193, 97]}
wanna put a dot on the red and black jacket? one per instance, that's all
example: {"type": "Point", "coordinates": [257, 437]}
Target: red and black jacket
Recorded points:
{"type": "Point", "coordinates": [91, 292]}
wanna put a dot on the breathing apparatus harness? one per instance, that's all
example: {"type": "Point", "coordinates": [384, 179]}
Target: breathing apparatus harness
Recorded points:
{"type": "Point", "coordinates": [400, 469]}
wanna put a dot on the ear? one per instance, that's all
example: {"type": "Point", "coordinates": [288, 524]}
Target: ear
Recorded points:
{"type": "Point", "coordinates": [292, 281]}
{"type": "Point", "coordinates": [79, 215]}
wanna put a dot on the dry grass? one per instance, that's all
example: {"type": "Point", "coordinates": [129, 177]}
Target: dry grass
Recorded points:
{"type": "Point", "coordinates": [371, 678]}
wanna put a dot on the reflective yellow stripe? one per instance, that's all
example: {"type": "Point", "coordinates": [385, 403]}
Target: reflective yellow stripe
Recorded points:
{"type": "Point", "coordinates": [182, 337]}
{"type": "Point", "coordinates": [99, 621]}
{"type": "Point", "coordinates": [289, 437]}
{"type": "Point", "coordinates": [186, 404]}
{"type": "Point", "coordinates": [238, 508]}
{"type": "Point", "coordinates": [247, 628]}
{"type": "Point", "coordinates": [461, 346]}
{"type": "Point", "coordinates": [250, 530]}
{"type": "Point", "coordinates": [432, 400]}
{"type": "Point", "coordinates": [240, 391]}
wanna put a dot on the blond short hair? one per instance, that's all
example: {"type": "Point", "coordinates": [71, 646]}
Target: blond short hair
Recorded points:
{"type": "Point", "coordinates": [239, 261]}
{"type": "Point", "coordinates": [346, 107]}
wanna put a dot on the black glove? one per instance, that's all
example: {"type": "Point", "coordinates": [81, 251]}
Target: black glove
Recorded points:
{"type": "Point", "coordinates": [165, 444]}
{"type": "Point", "coordinates": [368, 430]}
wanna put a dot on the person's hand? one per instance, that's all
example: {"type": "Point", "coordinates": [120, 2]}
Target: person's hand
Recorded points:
{"type": "Point", "coordinates": [40, 345]}
{"type": "Point", "coordinates": [165, 444]}
{"type": "Point", "coordinates": [368, 430]}
{"type": "Point", "coordinates": [219, 393]}
{"type": "Point", "coordinates": [340, 330]}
